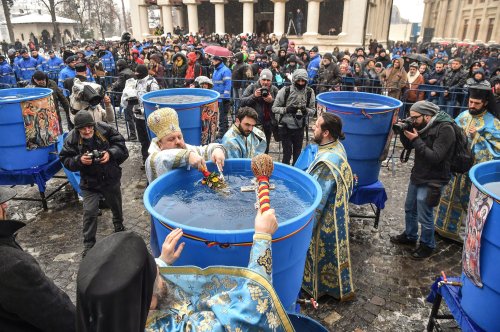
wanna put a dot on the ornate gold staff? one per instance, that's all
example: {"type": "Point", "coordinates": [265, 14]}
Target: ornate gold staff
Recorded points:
{"type": "Point", "coordinates": [262, 168]}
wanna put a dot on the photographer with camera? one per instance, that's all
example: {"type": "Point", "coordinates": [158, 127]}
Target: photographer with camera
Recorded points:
{"type": "Point", "coordinates": [260, 96]}
{"type": "Point", "coordinates": [292, 108]}
{"type": "Point", "coordinates": [430, 132]}
{"type": "Point", "coordinates": [96, 150]}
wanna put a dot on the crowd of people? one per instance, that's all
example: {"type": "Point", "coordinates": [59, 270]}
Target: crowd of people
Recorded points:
{"type": "Point", "coordinates": [268, 88]}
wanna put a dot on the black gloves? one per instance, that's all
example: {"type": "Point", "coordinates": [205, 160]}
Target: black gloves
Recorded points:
{"type": "Point", "coordinates": [292, 109]}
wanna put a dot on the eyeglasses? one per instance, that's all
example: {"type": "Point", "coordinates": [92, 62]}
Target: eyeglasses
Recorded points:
{"type": "Point", "coordinates": [415, 117]}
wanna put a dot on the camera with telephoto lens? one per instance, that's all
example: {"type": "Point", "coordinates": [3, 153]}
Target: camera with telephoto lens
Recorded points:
{"type": "Point", "coordinates": [96, 156]}
{"type": "Point", "coordinates": [132, 101]}
{"type": "Point", "coordinates": [264, 92]}
{"type": "Point", "coordinates": [405, 124]}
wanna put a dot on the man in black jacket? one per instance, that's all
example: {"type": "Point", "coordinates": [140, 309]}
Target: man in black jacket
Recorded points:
{"type": "Point", "coordinates": [96, 150]}
{"type": "Point", "coordinates": [29, 301]}
{"type": "Point", "coordinates": [433, 139]}
{"type": "Point", "coordinates": [124, 73]}
{"type": "Point", "coordinates": [453, 83]}
{"type": "Point", "coordinates": [253, 97]}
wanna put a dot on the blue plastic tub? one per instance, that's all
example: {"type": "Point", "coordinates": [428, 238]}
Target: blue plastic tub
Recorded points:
{"type": "Point", "coordinates": [482, 304]}
{"type": "Point", "coordinates": [305, 323]}
{"type": "Point", "coordinates": [288, 254]}
{"type": "Point", "coordinates": [189, 114]}
{"type": "Point", "coordinates": [13, 152]}
{"type": "Point", "coordinates": [366, 122]}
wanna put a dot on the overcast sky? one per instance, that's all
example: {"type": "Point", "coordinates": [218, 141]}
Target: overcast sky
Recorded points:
{"type": "Point", "coordinates": [411, 9]}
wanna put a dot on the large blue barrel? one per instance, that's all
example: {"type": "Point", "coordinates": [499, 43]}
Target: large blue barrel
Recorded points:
{"type": "Point", "coordinates": [305, 323]}
{"type": "Point", "coordinates": [13, 152]}
{"type": "Point", "coordinates": [290, 243]}
{"type": "Point", "coordinates": [366, 122]}
{"type": "Point", "coordinates": [482, 304]}
{"type": "Point", "coordinates": [189, 113]}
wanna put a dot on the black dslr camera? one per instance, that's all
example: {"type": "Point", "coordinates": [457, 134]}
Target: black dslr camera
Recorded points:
{"type": "Point", "coordinates": [264, 92]}
{"type": "Point", "coordinates": [96, 156]}
{"type": "Point", "coordinates": [405, 124]}
{"type": "Point", "coordinates": [132, 101]}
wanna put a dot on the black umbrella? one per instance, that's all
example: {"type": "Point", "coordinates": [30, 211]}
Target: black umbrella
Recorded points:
{"type": "Point", "coordinates": [420, 58]}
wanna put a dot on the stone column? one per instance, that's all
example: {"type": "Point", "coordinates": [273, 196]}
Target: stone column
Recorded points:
{"type": "Point", "coordinates": [313, 17]}
{"type": "Point", "coordinates": [144, 19]}
{"type": "Point", "coordinates": [495, 35]}
{"type": "Point", "coordinates": [279, 17]}
{"type": "Point", "coordinates": [442, 18]}
{"type": "Point", "coordinates": [352, 23]}
{"type": "Point", "coordinates": [136, 18]}
{"type": "Point", "coordinates": [166, 15]}
{"type": "Point", "coordinates": [220, 27]}
{"type": "Point", "coordinates": [347, 13]}
{"type": "Point", "coordinates": [192, 11]}
{"type": "Point", "coordinates": [247, 16]}
{"type": "Point", "coordinates": [427, 14]}
{"type": "Point", "coordinates": [483, 30]}
{"type": "Point", "coordinates": [180, 16]}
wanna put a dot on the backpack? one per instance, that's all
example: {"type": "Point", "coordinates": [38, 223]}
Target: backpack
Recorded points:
{"type": "Point", "coordinates": [462, 159]}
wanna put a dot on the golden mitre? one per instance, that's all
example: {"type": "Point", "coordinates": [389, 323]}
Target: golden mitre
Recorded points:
{"type": "Point", "coordinates": [163, 121]}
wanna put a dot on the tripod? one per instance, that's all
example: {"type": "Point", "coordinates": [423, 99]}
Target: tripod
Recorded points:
{"type": "Point", "coordinates": [290, 26]}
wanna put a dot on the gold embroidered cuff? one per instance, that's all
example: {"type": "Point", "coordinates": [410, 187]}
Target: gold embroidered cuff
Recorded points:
{"type": "Point", "coordinates": [262, 236]}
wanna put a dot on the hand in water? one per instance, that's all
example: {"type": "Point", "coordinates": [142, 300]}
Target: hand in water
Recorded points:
{"type": "Point", "coordinates": [218, 157]}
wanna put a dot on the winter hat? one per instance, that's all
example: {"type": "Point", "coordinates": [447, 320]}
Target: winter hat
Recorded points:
{"type": "Point", "coordinates": [204, 80]}
{"type": "Point", "coordinates": [314, 49]}
{"type": "Point", "coordinates": [266, 74]}
{"type": "Point", "coordinates": [328, 56]}
{"type": "Point", "coordinates": [425, 107]}
{"type": "Point", "coordinates": [83, 119]}
{"type": "Point", "coordinates": [414, 64]}
{"type": "Point", "coordinates": [300, 74]}
{"type": "Point", "coordinates": [142, 71]}
{"type": "Point", "coordinates": [80, 67]}
{"type": "Point", "coordinates": [379, 65]}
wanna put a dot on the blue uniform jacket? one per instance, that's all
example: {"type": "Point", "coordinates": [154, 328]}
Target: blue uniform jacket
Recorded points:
{"type": "Point", "coordinates": [25, 68]}
{"type": "Point", "coordinates": [52, 67]}
{"type": "Point", "coordinates": [6, 75]}
{"type": "Point", "coordinates": [222, 81]}
{"type": "Point", "coordinates": [108, 62]}
{"type": "Point", "coordinates": [313, 67]}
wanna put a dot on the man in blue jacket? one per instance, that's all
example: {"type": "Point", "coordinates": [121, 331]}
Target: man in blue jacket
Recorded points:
{"type": "Point", "coordinates": [26, 67]}
{"type": "Point", "coordinates": [38, 58]}
{"type": "Point", "coordinates": [107, 60]}
{"type": "Point", "coordinates": [53, 66]}
{"type": "Point", "coordinates": [7, 78]}
{"type": "Point", "coordinates": [222, 84]}
{"type": "Point", "coordinates": [313, 67]}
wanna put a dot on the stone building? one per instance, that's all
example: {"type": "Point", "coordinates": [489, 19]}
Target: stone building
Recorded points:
{"type": "Point", "coordinates": [327, 23]}
{"type": "Point", "coordinates": [30, 20]}
{"type": "Point", "coordinates": [476, 21]}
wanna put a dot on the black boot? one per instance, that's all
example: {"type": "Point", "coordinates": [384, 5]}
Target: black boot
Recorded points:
{"type": "Point", "coordinates": [402, 239]}
{"type": "Point", "coordinates": [119, 227]}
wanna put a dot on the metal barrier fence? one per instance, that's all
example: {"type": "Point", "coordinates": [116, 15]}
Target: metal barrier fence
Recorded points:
{"type": "Point", "coordinates": [453, 103]}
